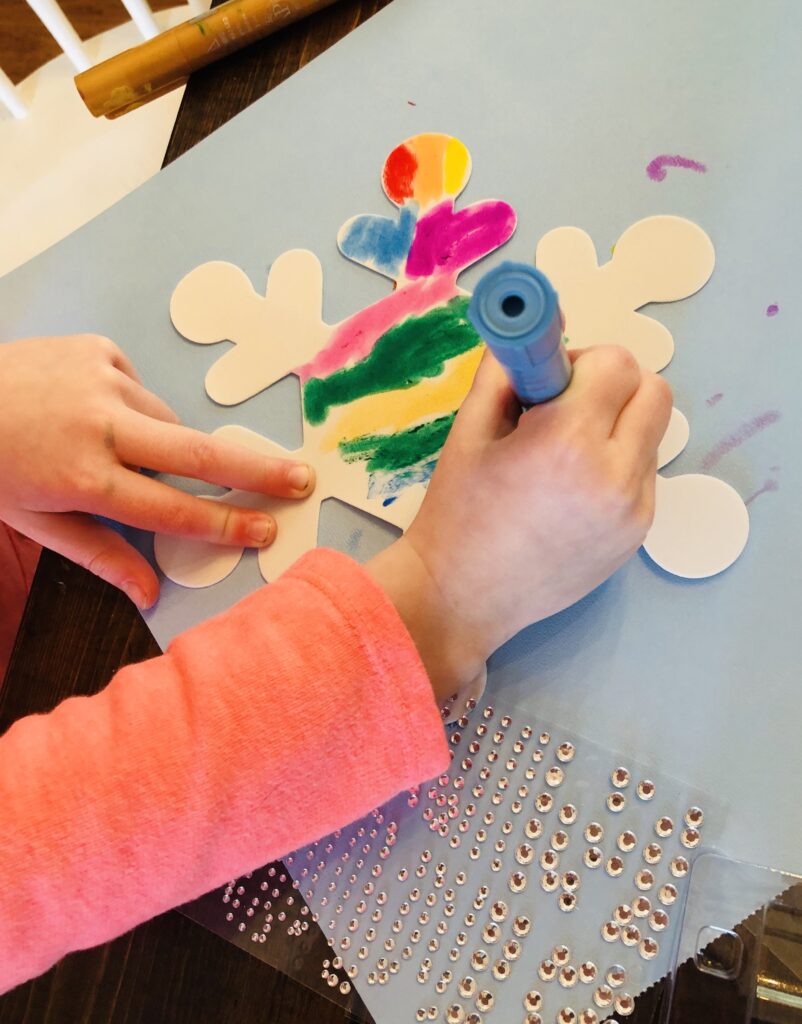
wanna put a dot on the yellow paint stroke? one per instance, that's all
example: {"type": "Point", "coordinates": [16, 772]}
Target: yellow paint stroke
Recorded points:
{"type": "Point", "coordinates": [430, 151]}
{"type": "Point", "coordinates": [458, 167]}
{"type": "Point", "coordinates": [393, 411]}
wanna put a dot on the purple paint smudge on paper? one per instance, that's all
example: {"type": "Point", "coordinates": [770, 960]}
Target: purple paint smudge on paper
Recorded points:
{"type": "Point", "coordinates": [768, 487]}
{"type": "Point", "coordinates": [656, 169]}
{"type": "Point", "coordinates": [772, 310]}
{"type": "Point", "coordinates": [738, 437]}
{"type": "Point", "coordinates": [715, 399]}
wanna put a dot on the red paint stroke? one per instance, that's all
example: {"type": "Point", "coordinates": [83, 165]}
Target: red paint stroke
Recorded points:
{"type": "Point", "coordinates": [656, 169]}
{"type": "Point", "coordinates": [715, 399]}
{"type": "Point", "coordinates": [445, 240]}
{"type": "Point", "coordinates": [399, 174]}
{"type": "Point", "coordinates": [772, 310]}
{"type": "Point", "coordinates": [768, 486]}
{"type": "Point", "coordinates": [736, 439]}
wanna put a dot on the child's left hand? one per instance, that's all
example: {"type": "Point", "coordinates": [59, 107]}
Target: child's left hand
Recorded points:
{"type": "Point", "coordinates": [76, 425]}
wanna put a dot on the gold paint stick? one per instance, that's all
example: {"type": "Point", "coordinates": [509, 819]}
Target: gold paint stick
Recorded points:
{"type": "Point", "coordinates": [163, 63]}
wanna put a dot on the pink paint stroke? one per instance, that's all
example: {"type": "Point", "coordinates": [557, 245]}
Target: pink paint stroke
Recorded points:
{"type": "Point", "coordinates": [449, 241]}
{"type": "Point", "coordinates": [354, 338]}
{"type": "Point", "coordinates": [736, 439]}
{"type": "Point", "coordinates": [715, 399]}
{"type": "Point", "coordinates": [768, 487]}
{"type": "Point", "coordinates": [656, 169]}
{"type": "Point", "coordinates": [772, 310]}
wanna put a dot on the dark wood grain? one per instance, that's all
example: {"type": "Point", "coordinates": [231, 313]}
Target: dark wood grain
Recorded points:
{"type": "Point", "coordinates": [77, 632]}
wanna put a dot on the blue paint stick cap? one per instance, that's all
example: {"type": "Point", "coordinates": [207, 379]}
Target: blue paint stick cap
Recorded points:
{"type": "Point", "coordinates": [515, 310]}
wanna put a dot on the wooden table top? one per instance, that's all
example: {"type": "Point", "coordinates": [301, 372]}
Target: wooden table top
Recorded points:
{"type": "Point", "coordinates": [77, 631]}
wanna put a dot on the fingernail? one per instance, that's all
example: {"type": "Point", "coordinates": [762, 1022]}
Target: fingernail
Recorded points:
{"type": "Point", "coordinates": [136, 593]}
{"type": "Point", "coordinates": [260, 530]}
{"type": "Point", "coordinates": [299, 477]}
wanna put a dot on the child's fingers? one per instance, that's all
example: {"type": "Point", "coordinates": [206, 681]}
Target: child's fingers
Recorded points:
{"type": "Point", "coordinates": [490, 409]}
{"type": "Point", "coordinates": [604, 379]}
{"type": "Point", "coordinates": [137, 500]}
{"type": "Point", "coordinates": [141, 400]}
{"type": "Point", "coordinates": [95, 547]}
{"type": "Point", "coordinates": [642, 422]}
{"type": "Point", "coordinates": [171, 448]}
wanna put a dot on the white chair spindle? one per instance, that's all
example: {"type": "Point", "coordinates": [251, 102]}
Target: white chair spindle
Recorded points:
{"type": "Point", "coordinates": [10, 98]}
{"type": "Point", "coordinates": [55, 21]}
{"type": "Point", "coordinates": [142, 17]}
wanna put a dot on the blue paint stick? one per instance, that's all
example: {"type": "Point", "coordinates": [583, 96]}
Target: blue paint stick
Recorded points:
{"type": "Point", "coordinates": [515, 311]}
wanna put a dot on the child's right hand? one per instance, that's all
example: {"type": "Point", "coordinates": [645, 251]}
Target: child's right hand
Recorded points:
{"type": "Point", "coordinates": [526, 512]}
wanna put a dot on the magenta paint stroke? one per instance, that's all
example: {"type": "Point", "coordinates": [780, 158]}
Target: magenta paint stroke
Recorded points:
{"type": "Point", "coordinates": [355, 337]}
{"type": "Point", "coordinates": [656, 169]}
{"type": "Point", "coordinates": [715, 399]}
{"type": "Point", "coordinates": [772, 310]}
{"type": "Point", "coordinates": [446, 241]}
{"type": "Point", "coordinates": [769, 486]}
{"type": "Point", "coordinates": [738, 437]}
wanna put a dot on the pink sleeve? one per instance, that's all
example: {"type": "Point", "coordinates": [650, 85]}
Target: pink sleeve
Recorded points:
{"type": "Point", "coordinates": [294, 712]}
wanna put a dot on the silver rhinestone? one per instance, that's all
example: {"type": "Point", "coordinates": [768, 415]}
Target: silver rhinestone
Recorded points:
{"type": "Point", "coordinates": [533, 1000]}
{"type": "Point", "coordinates": [663, 827]}
{"type": "Point", "coordinates": [622, 914]}
{"type": "Point", "coordinates": [512, 949]}
{"type": "Point", "coordinates": [667, 894]}
{"type": "Point", "coordinates": [690, 838]}
{"type": "Point", "coordinates": [561, 955]}
{"type": "Point", "coordinates": [544, 738]}
{"type": "Point", "coordinates": [641, 906]}
{"type": "Point", "coordinates": [588, 1016]}
{"type": "Point", "coordinates": [603, 996]}
{"type": "Point", "coordinates": [630, 935]}
{"type": "Point", "coordinates": [619, 778]}
{"type": "Point", "coordinates": [567, 902]}
{"type": "Point", "coordinates": [524, 853]}
{"type": "Point", "coordinates": [592, 857]}
{"type": "Point", "coordinates": [454, 1014]}
{"type": "Point", "coordinates": [484, 1000]}
{"type": "Point", "coordinates": [567, 976]}
{"type": "Point", "coordinates": [594, 832]}
{"type": "Point", "coordinates": [649, 948]}
{"type": "Point", "coordinates": [588, 972]}
{"type": "Point", "coordinates": [555, 776]}
{"type": "Point", "coordinates": [549, 881]}
{"type": "Point", "coordinates": [565, 752]}
{"type": "Point", "coordinates": [521, 925]}
{"type": "Point", "coordinates": [420, 1014]}
{"type": "Point", "coordinates": [694, 817]}
{"type": "Point", "coordinates": [616, 802]}
{"type": "Point", "coordinates": [570, 881]}
{"type": "Point", "coordinates": [501, 970]}
{"type": "Point", "coordinates": [616, 976]}
{"type": "Point", "coordinates": [467, 987]}
{"type": "Point", "coordinates": [544, 802]}
{"type": "Point", "coordinates": [495, 864]}
{"type": "Point", "coordinates": [652, 853]}
{"type": "Point", "coordinates": [479, 960]}
{"type": "Point", "coordinates": [498, 911]}
{"type": "Point", "coordinates": [624, 1004]}
{"type": "Point", "coordinates": [646, 789]}
{"type": "Point", "coordinates": [547, 970]}
{"type": "Point", "coordinates": [560, 840]}
{"type": "Point", "coordinates": [549, 860]}
{"type": "Point", "coordinates": [566, 1015]}
{"type": "Point", "coordinates": [627, 841]}
{"type": "Point", "coordinates": [533, 829]}
{"type": "Point", "coordinates": [568, 814]}
{"type": "Point", "coordinates": [517, 881]}
{"type": "Point", "coordinates": [491, 932]}
{"type": "Point", "coordinates": [644, 879]}
{"type": "Point", "coordinates": [679, 867]}
{"type": "Point", "coordinates": [506, 828]}
{"type": "Point", "coordinates": [614, 866]}
{"type": "Point", "coordinates": [610, 931]}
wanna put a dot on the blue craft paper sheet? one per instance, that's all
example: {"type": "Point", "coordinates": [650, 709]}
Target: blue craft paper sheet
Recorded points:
{"type": "Point", "coordinates": [562, 107]}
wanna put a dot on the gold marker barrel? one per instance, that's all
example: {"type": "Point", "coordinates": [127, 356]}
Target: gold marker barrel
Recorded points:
{"type": "Point", "coordinates": [159, 65]}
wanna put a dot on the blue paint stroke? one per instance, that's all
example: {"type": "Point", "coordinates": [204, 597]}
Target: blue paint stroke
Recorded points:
{"type": "Point", "coordinates": [388, 486]}
{"type": "Point", "coordinates": [380, 243]}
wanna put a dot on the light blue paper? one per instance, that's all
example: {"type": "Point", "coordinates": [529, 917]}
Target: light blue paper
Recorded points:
{"type": "Point", "coordinates": [562, 107]}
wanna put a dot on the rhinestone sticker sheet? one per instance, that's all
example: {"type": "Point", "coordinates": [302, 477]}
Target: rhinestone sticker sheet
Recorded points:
{"type": "Point", "coordinates": [540, 879]}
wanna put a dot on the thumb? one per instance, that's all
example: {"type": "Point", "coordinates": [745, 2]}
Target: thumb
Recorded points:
{"type": "Point", "coordinates": [490, 410]}
{"type": "Point", "coordinates": [94, 546]}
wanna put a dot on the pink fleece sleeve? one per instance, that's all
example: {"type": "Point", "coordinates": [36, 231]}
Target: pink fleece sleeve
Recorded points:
{"type": "Point", "coordinates": [294, 712]}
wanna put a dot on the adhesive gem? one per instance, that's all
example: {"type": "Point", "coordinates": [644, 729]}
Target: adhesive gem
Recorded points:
{"type": "Point", "coordinates": [644, 879]}
{"type": "Point", "coordinates": [549, 860]}
{"type": "Point", "coordinates": [616, 976]}
{"type": "Point", "coordinates": [549, 881]}
{"type": "Point", "coordinates": [544, 738]}
{"type": "Point", "coordinates": [491, 932]}
{"type": "Point", "coordinates": [555, 776]}
{"type": "Point", "coordinates": [467, 987]}
{"type": "Point", "coordinates": [501, 970]}
{"type": "Point", "coordinates": [525, 853]}
{"type": "Point", "coordinates": [560, 840]}
{"type": "Point", "coordinates": [630, 935]}
{"type": "Point", "coordinates": [588, 1016]}
{"type": "Point", "coordinates": [663, 827]}
{"type": "Point", "coordinates": [455, 1014]}
{"type": "Point", "coordinates": [690, 838]}
{"type": "Point", "coordinates": [566, 1016]}
{"type": "Point", "coordinates": [667, 894]}
{"type": "Point", "coordinates": [624, 1004]}
{"type": "Point", "coordinates": [484, 1000]}
{"type": "Point", "coordinates": [480, 960]}
{"type": "Point", "coordinates": [568, 814]}
{"type": "Point", "coordinates": [652, 853]}
{"type": "Point", "coordinates": [547, 970]}
{"type": "Point", "coordinates": [694, 817]}
{"type": "Point", "coordinates": [610, 931]}
{"type": "Point", "coordinates": [588, 972]}
{"type": "Point", "coordinates": [619, 778]}
{"type": "Point", "coordinates": [594, 832]}
{"type": "Point", "coordinates": [533, 1000]}
{"type": "Point", "coordinates": [567, 902]}
{"type": "Point", "coordinates": [565, 752]}
{"type": "Point", "coordinates": [521, 925]}
{"type": "Point", "coordinates": [603, 996]}
{"type": "Point", "coordinates": [614, 866]}
{"type": "Point", "coordinates": [592, 857]}
{"type": "Point", "coordinates": [616, 802]}
{"type": "Point", "coordinates": [568, 976]}
{"type": "Point", "coordinates": [622, 914]}
{"type": "Point", "coordinates": [649, 948]}
{"type": "Point", "coordinates": [533, 829]}
{"type": "Point", "coordinates": [517, 882]}
{"type": "Point", "coordinates": [561, 955]}
{"type": "Point", "coordinates": [570, 881]}
{"type": "Point", "coordinates": [641, 906]}
{"type": "Point", "coordinates": [658, 920]}
{"type": "Point", "coordinates": [498, 911]}
{"type": "Point", "coordinates": [680, 867]}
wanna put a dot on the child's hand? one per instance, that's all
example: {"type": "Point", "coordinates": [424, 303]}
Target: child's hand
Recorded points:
{"type": "Point", "coordinates": [76, 425]}
{"type": "Point", "coordinates": [526, 513]}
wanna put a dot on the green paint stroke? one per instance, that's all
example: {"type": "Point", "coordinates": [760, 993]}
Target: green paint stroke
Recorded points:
{"type": "Point", "coordinates": [390, 452]}
{"type": "Point", "coordinates": [416, 348]}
